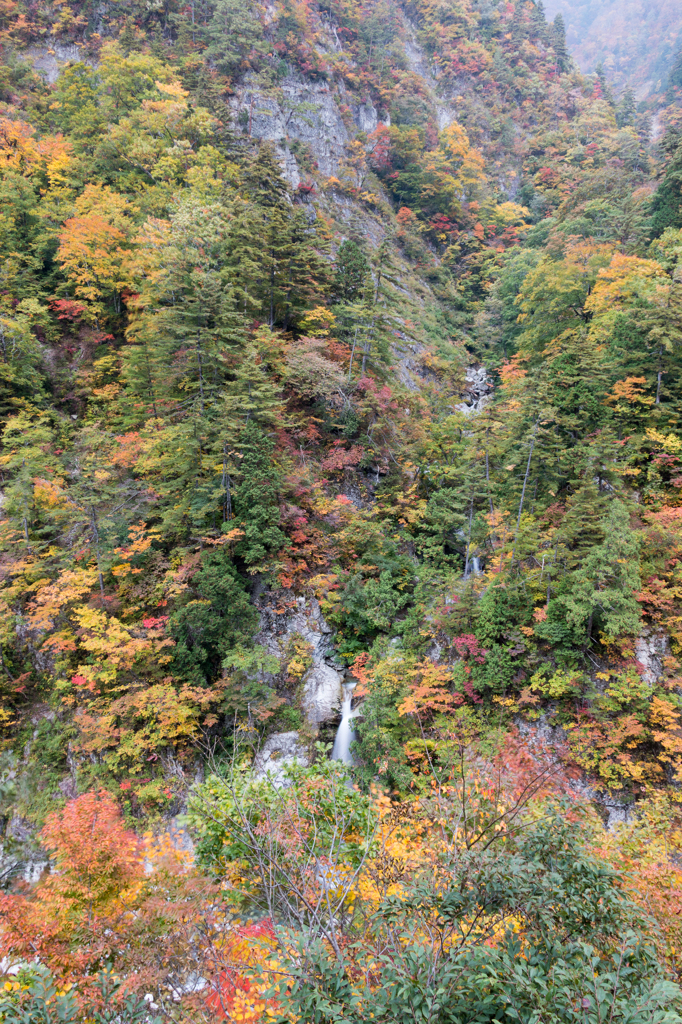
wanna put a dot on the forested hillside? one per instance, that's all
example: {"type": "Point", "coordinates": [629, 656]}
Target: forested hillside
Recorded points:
{"type": "Point", "coordinates": [341, 348]}
{"type": "Point", "coordinates": [637, 43]}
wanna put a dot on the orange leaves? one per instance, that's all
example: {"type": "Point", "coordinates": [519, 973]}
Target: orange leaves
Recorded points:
{"type": "Point", "coordinates": [17, 144]}
{"type": "Point", "coordinates": [406, 217]}
{"type": "Point", "coordinates": [128, 449]}
{"type": "Point", "coordinates": [631, 390]}
{"type": "Point", "coordinates": [96, 855]}
{"type": "Point", "coordinates": [21, 151]}
{"type": "Point", "coordinates": [47, 493]}
{"type": "Point", "coordinates": [430, 691]}
{"type": "Point", "coordinates": [98, 860]}
{"type": "Point", "coordinates": [513, 371]}
{"type": "Point", "coordinates": [359, 671]}
{"type": "Point", "coordinates": [91, 254]}
{"type": "Point", "coordinates": [140, 541]}
{"type": "Point", "coordinates": [93, 247]}
{"type": "Point", "coordinates": [52, 598]}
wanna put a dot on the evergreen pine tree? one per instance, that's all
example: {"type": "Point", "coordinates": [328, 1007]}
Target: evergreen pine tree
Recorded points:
{"type": "Point", "coordinates": [601, 592]}
{"type": "Point", "coordinates": [289, 265]}
{"type": "Point", "coordinates": [256, 501]}
{"type": "Point", "coordinates": [603, 83]}
{"type": "Point", "coordinates": [352, 272]}
{"type": "Point", "coordinates": [234, 35]}
{"type": "Point", "coordinates": [626, 114]}
{"type": "Point", "coordinates": [675, 77]}
{"type": "Point", "coordinates": [666, 206]}
{"type": "Point", "coordinates": [559, 42]}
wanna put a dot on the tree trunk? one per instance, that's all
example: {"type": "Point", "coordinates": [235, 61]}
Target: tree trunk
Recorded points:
{"type": "Point", "coordinates": [95, 537]}
{"type": "Point", "coordinates": [352, 353]}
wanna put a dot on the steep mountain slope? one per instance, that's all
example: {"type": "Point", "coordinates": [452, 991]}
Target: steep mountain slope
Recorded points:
{"type": "Point", "coordinates": [284, 234]}
{"type": "Point", "coordinates": [340, 342]}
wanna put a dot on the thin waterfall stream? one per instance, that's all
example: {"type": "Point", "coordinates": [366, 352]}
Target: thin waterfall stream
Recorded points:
{"type": "Point", "coordinates": [345, 734]}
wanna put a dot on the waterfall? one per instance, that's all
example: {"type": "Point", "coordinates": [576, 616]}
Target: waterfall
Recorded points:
{"type": "Point", "coordinates": [473, 568]}
{"type": "Point", "coordinates": [345, 734]}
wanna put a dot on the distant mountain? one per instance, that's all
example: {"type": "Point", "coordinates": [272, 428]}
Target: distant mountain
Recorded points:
{"type": "Point", "coordinates": [636, 40]}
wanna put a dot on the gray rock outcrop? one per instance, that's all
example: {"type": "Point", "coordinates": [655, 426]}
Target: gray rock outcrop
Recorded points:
{"type": "Point", "coordinates": [322, 682]}
{"type": "Point", "coordinates": [278, 752]}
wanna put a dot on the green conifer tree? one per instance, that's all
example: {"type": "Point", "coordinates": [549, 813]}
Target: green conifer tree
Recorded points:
{"type": "Point", "coordinates": [352, 272]}
{"type": "Point", "coordinates": [601, 592]}
{"type": "Point", "coordinates": [626, 115]}
{"type": "Point", "coordinates": [256, 500]}
{"type": "Point", "coordinates": [559, 42]}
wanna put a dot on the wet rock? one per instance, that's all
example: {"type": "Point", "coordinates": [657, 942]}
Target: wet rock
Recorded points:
{"type": "Point", "coordinates": [279, 751]}
{"type": "Point", "coordinates": [20, 857]}
{"type": "Point", "coordinates": [478, 390]}
{"type": "Point", "coordinates": [322, 682]}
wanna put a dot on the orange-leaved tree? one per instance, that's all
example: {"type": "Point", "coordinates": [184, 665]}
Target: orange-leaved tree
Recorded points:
{"type": "Point", "coordinates": [117, 916]}
{"type": "Point", "coordinates": [98, 870]}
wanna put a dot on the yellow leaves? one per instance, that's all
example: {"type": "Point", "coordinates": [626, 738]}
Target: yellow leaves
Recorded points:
{"type": "Point", "coordinates": [121, 571]}
{"type": "Point", "coordinates": [7, 719]}
{"type": "Point", "coordinates": [114, 645]}
{"type": "Point", "coordinates": [52, 597]}
{"type": "Point", "coordinates": [623, 280]}
{"type": "Point", "coordinates": [554, 292]}
{"type": "Point", "coordinates": [506, 702]}
{"type": "Point", "coordinates": [225, 538]}
{"type": "Point", "coordinates": [173, 89]}
{"type": "Point", "coordinates": [664, 716]}
{"type": "Point", "coordinates": [47, 493]}
{"type": "Point", "coordinates": [511, 214]}
{"type": "Point", "coordinates": [21, 151]}
{"type": "Point", "coordinates": [147, 718]}
{"type": "Point", "coordinates": [664, 713]}
{"type": "Point", "coordinates": [668, 442]}
{"type": "Point", "coordinates": [454, 143]}
{"type": "Point", "coordinates": [318, 322]}
{"type": "Point", "coordinates": [108, 393]}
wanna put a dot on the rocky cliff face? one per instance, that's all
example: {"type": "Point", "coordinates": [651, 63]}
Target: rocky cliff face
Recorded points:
{"type": "Point", "coordinates": [321, 694]}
